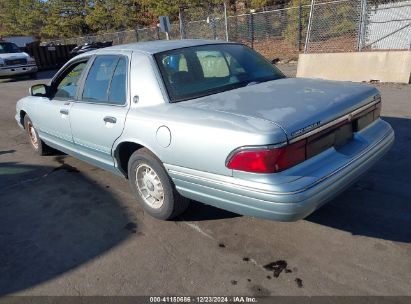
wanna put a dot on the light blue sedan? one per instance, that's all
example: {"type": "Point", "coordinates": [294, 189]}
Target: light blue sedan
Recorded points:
{"type": "Point", "coordinates": [210, 121]}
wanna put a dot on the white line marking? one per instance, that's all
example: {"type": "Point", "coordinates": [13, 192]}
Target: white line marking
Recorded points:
{"type": "Point", "coordinates": [198, 229]}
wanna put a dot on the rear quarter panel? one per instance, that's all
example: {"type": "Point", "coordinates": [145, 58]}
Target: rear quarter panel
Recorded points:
{"type": "Point", "coordinates": [199, 139]}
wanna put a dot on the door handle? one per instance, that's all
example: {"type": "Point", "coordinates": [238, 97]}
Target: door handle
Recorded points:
{"type": "Point", "coordinates": [64, 111]}
{"type": "Point", "coordinates": [110, 119]}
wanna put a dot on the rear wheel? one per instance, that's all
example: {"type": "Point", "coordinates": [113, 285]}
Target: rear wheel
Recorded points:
{"type": "Point", "coordinates": [153, 187]}
{"type": "Point", "coordinates": [36, 143]}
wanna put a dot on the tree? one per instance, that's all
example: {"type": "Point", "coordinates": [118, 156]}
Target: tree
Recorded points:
{"type": "Point", "coordinates": [196, 9]}
{"type": "Point", "coordinates": [73, 18]}
{"type": "Point", "coordinates": [128, 14]}
{"type": "Point", "coordinates": [115, 15]}
{"type": "Point", "coordinates": [99, 17]}
{"type": "Point", "coordinates": [21, 17]}
{"type": "Point", "coordinates": [65, 18]}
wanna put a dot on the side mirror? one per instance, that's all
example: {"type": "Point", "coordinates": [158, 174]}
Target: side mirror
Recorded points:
{"type": "Point", "coordinates": [39, 90]}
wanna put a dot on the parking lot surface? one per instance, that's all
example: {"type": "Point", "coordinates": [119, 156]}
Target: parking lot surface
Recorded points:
{"type": "Point", "coordinates": [68, 228]}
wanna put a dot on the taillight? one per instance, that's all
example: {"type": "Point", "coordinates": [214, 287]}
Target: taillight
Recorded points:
{"type": "Point", "coordinates": [268, 160]}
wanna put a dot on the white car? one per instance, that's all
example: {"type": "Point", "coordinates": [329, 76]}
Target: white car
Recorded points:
{"type": "Point", "coordinates": [15, 62]}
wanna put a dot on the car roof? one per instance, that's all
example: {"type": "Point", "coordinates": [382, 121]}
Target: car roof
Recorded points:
{"type": "Point", "coordinates": [158, 46]}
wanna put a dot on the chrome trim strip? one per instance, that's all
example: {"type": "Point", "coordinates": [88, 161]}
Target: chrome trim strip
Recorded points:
{"type": "Point", "coordinates": [222, 183]}
{"type": "Point", "coordinates": [375, 101]}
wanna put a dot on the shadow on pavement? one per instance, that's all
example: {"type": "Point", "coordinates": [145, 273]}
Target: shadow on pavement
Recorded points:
{"type": "Point", "coordinates": [51, 221]}
{"type": "Point", "coordinates": [379, 204]}
{"type": "Point", "coordinates": [201, 212]}
{"type": "Point", "coordinates": [7, 152]}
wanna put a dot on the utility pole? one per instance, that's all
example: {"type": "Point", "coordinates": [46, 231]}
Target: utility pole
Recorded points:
{"type": "Point", "coordinates": [225, 20]}
{"type": "Point", "coordinates": [181, 20]}
{"type": "Point", "coordinates": [310, 20]}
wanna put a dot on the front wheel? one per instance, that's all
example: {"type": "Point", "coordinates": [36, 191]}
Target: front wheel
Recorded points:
{"type": "Point", "coordinates": [153, 187]}
{"type": "Point", "coordinates": [36, 143]}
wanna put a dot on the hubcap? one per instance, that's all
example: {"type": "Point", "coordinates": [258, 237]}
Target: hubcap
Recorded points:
{"type": "Point", "coordinates": [32, 135]}
{"type": "Point", "coordinates": [149, 186]}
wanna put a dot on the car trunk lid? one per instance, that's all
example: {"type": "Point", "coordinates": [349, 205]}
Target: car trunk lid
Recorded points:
{"type": "Point", "coordinates": [296, 105]}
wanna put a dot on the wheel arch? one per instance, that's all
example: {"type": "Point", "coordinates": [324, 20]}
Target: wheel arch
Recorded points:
{"type": "Point", "coordinates": [123, 152]}
{"type": "Point", "coordinates": [23, 114]}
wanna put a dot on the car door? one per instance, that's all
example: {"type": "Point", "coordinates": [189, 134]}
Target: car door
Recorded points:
{"type": "Point", "coordinates": [97, 118]}
{"type": "Point", "coordinates": [52, 118]}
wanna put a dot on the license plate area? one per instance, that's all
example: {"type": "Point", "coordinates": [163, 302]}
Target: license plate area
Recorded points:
{"type": "Point", "coordinates": [335, 138]}
{"type": "Point", "coordinates": [364, 121]}
{"type": "Point", "coordinates": [340, 134]}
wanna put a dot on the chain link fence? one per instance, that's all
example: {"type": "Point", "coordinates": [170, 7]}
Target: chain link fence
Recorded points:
{"type": "Point", "coordinates": [274, 32]}
{"type": "Point", "coordinates": [284, 31]}
{"type": "Point", "coordinates": [123, 37]}
{"type": "Point", "coordinates": [358, 25]}
{"type": "Point", "coordinates": [334, 26]}
{"type": "Point", "coordinates": [387, 26]}
{"type": "Point", "coordinates": [279, 32]}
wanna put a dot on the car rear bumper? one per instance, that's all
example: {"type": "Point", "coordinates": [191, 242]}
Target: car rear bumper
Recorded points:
{"type": "Point", "coordinates": [311, 184]}
{"type": "Point", "coordinates": [17, 70]}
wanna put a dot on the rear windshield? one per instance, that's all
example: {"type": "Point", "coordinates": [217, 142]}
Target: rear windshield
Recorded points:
{"type": "Point", "coordinates": [8, 47]}
{"type": "Point", "coordinates": [209, 69]}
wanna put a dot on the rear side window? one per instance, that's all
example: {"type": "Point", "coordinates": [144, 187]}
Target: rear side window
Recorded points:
{"type": "Point", "coordinates": [117, 93]}
{"type": "Point", "coordinates": [106, 81]}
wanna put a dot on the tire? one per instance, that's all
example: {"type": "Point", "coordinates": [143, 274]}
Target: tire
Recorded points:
{"type": "Point", "coordinates": [153, 187]}
{"type": "Point", "coordinates": [35, 142]}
